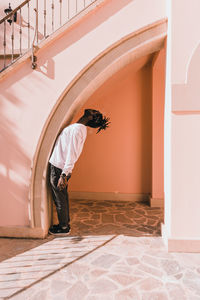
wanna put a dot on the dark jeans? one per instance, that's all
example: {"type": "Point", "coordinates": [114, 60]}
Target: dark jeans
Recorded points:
{"type": "Point", "coordinates": [60, 198]}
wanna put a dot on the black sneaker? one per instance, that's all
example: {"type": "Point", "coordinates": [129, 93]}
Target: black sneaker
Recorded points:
{"type": "Point", "coordinates": [59, 231]}
{"type": "Point", "coordinates": [55, 226]}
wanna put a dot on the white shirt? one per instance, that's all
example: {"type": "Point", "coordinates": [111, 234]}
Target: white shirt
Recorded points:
{"type": "Point", "coordinates": [68, 147]}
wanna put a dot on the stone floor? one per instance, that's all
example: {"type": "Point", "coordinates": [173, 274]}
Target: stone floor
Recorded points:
{"type": "Point", "coordinates": [115, 217]}
{"type": "Point", "coordinates": [114, 252]}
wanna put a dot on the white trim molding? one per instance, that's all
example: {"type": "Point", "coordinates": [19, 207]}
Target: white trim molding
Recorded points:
{"type": "Point", "coordinates": [180, 244]}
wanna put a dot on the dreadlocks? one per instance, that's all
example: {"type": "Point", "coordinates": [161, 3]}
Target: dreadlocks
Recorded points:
{"type": "Point", "coordinates": [98, 120]}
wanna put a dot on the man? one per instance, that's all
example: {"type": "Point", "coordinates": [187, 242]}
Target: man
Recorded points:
{"type": "Point", "coordinates": [66, 152]}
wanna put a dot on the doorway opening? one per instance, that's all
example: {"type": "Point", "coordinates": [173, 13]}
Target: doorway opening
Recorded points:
{"type": "Point", "coordinates": [120, 171]}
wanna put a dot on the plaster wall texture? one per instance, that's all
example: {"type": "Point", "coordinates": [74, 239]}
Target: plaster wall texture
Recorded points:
{"type": "Point", "coordinates": [119, 159]}
{"type": "Point", "coordinates": [28, 97]}
{"type": "Point", "coordinates": [184, 222]}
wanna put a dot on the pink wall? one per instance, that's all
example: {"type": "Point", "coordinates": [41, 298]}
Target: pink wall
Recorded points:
{"type": "Point", "coordinates": [28, 97]}
{"type": "Point", "coordinates": [158, 98]}
{"type": "Point", "coordinates": [185, 205]}
{"type": "Point", "coordinates": [182, 222]}
{"type": "Point", "coordinates": [119, 159]}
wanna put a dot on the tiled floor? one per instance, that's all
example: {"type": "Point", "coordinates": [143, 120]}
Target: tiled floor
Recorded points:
{"type": "Point", "coordinates": [115, 217]}
{"type": "Point", "coordinates": [113, 252]}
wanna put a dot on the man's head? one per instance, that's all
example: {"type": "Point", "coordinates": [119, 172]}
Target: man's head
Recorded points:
{"type": "Point", "coordinates": [96, 119]}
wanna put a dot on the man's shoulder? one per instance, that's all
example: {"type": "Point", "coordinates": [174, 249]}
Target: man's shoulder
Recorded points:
{"type": "Point", "coordinates": [75, 127]}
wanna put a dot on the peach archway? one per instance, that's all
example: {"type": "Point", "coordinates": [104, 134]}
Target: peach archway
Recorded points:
{"type": "Point", "coordinates": [140, 43]}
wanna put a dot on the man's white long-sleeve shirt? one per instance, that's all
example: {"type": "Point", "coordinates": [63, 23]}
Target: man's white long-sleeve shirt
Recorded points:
{"type": "Point", "coordinates": [68, 147]}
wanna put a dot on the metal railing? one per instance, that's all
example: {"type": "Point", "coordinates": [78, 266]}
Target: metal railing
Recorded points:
{"type": "Point", "coordinates": [24, 27]}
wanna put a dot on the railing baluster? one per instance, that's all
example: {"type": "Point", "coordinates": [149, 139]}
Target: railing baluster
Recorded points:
{"type": "Point", "coordinates": [68, 12]}
{"type": "Point", "coordinates": [4, 43]}
{"type": "Point", "coordinates": [12, 37]}
{"type": "Point", "coordinates": [73, 8]}
{"type": "Point", "coordinates": [28, 7]}
{"type": "Point", "coordinates": [60, 12]}
{"type": "Point", "coordinates": [20, 31]}
{"type": "Point", "coordinates": [37, 21]}
{"type": "Point", "coordinates": [52, 7]}
{"type": "Point", "coordinates": [33, 56]}
{"type": "Point", "coordinates": [45, 18]}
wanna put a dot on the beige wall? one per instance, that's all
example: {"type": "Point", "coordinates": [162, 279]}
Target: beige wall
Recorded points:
{"type": "Point", "coordinates": [119, 159]}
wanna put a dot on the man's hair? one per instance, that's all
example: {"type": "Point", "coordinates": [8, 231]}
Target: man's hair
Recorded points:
{"type": "Point", "coordinates": [98, 120]}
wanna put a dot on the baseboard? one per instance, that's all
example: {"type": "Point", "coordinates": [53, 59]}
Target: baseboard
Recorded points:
{"type": "Point", "coordinates": [156, 202]}
{"type": "Point", "coordinates": [186, 245]}
{"type": "Point", "coordinates": [22, 232]}
{"type": "Point", "coordinates": [108, 196]}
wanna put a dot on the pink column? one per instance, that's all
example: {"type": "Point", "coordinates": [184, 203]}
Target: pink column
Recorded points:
{"type": "Point", "coordinates": [181, 231]}
{"type": "Point", "coordinates": [158, 98]}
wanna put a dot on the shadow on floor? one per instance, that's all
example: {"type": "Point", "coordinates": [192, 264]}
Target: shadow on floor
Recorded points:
{"type": "Point", "coordinates": [90, 217]}
{"type": "Point", "coordinates": [92, 263]}
{"type": "Point", "coordinates": [95, 224]}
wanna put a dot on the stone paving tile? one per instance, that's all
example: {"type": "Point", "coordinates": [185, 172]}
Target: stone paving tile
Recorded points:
{"type": "Point", "coordinates": [17, 273]}
{"type": "Point", "coordinates": [114, 252]}
{"type": "Point", "coordinates": [97, 217]}
{"type": "Point", "coordinates": [115, 217]}
{"type": "Point", "coordinates": [103, 274]}
{"type": "Point", "coordinates": [10, 247]}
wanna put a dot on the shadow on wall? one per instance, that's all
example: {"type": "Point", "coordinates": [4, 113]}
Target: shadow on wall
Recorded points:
{"type": "Point", "coordinates": [25, 42]}
{"type": "Point", "coordinates": [13, 165]}
{"type": "Point", "coordinates": [46, 64]}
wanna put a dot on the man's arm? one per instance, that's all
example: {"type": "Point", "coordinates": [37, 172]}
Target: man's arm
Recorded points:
{"type": "Point", "coordinates": [63, 181]}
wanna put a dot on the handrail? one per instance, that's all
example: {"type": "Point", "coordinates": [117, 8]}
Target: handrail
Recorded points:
{"type": "Point", "coordinates": [14, 11]}
{"type": "Point", "coordinates": [23, 31]}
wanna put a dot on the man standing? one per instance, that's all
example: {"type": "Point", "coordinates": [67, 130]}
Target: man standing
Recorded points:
{"type": "Point", "coordinates": [66, 152]}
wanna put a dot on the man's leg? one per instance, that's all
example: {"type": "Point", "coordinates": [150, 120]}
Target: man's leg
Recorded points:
{"type": "Point", "coordinates": [60, 197]}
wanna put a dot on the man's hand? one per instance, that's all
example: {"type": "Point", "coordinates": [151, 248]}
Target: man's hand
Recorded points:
{"type": "Point", "coordinates": [62, 182]}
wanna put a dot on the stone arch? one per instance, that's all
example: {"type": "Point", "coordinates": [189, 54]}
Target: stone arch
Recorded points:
{"type": "Point", "coordinates": [142, 42]}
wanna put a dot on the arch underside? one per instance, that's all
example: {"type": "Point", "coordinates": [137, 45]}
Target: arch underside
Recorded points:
{"type": "Point", "coordinates": [143, 42]}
